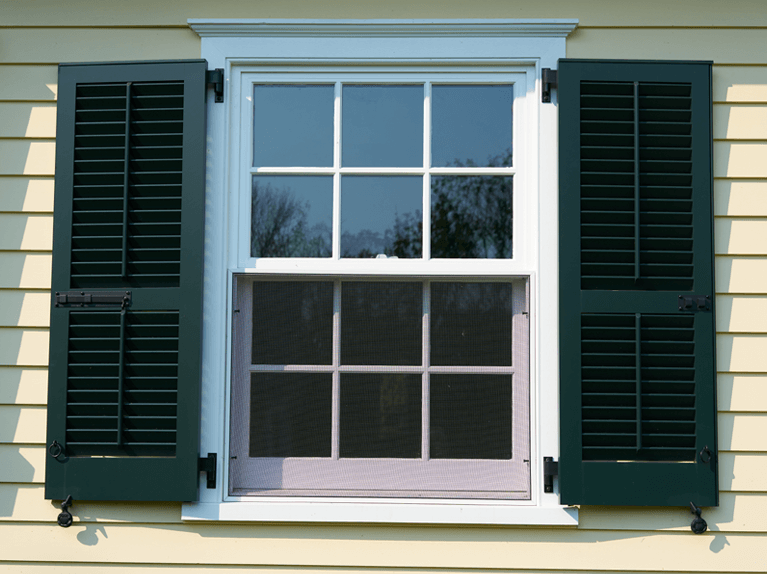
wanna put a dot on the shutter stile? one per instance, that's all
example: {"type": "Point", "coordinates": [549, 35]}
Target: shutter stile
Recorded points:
{"type": "Point", "coordinates": [124, 376]}
{"type": "Point", "coordinates": [637, 385]}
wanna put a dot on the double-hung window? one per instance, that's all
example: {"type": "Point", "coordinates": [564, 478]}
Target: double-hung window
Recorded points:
{"type": "Point", "coordinates": [380, 334]}
{"type": "Point", "coordinates": [375, 193]}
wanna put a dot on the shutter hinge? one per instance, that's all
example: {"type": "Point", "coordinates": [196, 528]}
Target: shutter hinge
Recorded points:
{"type": "Point", "coordinates": [208, 466]}
{"type": "Point", "coordinates": [216, 78]}
{"type": "Point", "coordinates": [92, 298]}
{"type": "Point", "coordinates": [695, 303]}
{"type": "Point", "coordinates": [550, 470]}
{"type": "Point", "coordinates": [549, 79]}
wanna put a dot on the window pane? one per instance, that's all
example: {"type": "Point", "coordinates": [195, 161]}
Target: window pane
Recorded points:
{"type": "Point", "coordinates": [471, 126]}
{"type": "Point", "coordinates": [293, 125]}
{"type": "Point", "coordinates": [381, 215]}
{"type": "Point", "coordinates": [290, 414]}
{"type": "Point", "coordinates": [382, 126]}
{"type": "Point", "coordinates": [470, 416]}
{"type": "Point", "coordinates": [471, 324]}
{"type": "Point", "coordinates": [471, 217]}
{"type": "Point", "coordinates": [292, 323]}
{"type": "Point", "coordinates": [381, 323]}
{"type": "Point", "coordinates": [292, 216]}
{"type": "Point", "coordinates": [380, 415]}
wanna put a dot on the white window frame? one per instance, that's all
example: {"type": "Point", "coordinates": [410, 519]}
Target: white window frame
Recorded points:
{"type": "Point", "coordinates": [240, 46]}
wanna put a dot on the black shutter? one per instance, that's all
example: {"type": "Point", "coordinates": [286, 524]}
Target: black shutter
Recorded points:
{"type": "Point", "coordinates": [637, 369]}
{"type": "Point", "coordinates": [124, 370]}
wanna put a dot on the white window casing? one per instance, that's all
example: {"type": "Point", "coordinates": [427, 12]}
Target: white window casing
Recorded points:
{"type": "Point", "coordinates": [441, 50]}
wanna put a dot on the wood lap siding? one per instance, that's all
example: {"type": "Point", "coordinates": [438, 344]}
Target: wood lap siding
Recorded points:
{"type": "Point", "coordinates": [607, 538]}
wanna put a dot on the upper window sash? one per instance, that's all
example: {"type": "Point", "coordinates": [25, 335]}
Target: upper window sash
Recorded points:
{"type": "Point", "coordinates": [524, 160]}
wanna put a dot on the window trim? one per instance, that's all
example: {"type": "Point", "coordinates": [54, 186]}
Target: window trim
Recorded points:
{"type": "Point", "coordinates": [403, 43]}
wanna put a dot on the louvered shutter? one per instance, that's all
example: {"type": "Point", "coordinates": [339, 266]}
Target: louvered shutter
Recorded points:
{"type": "Point", "coordinates": [637, 374]}
{"type": "Point", "coordinates": [124, 379]}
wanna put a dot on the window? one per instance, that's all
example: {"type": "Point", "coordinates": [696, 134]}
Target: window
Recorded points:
{"type": "Point", "coordinates": [374, 224]}
{"type": "Point", "coordinates": [402, 371]}
{"type": "Point", "coordinates": [635, 361]}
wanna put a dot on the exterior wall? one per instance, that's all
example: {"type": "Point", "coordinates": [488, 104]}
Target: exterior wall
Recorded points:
{"type": "Point", "coordinates": [37, 34]}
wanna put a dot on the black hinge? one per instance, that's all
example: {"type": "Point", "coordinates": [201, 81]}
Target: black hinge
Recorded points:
{"type": "Point", "coordinates": [92, 299]}
{"type": "Point", "coordinates": [208, 466]}
{"type": "Point", "coordinates": [549, 81]}
{"type": "Point", "coordinates": [216, 78]}
{"type": "Point", "coordinates": [695, 303]}
{"type": "Point", "coordinates": [550, 470]}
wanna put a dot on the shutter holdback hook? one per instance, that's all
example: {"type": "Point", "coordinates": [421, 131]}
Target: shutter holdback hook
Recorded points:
{"type": "Point", "coordinates": [698, 525]}
{"type": "Point", "coordinates": [65, 517]}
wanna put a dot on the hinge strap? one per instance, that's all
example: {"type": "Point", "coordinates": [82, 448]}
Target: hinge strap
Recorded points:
{"type": "Point", "coordinates": [208, 466]}
{"type": "Point", "coordinates": [216, 78]}
{"type": "Point", "coordinates": [549, 79]}
{"type": "Point", "coordinates": [550, 470]}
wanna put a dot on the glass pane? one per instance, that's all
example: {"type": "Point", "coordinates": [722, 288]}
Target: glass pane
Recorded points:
{"type": "Point", "coordinates": [381, 215]}
{"type": "Point", "coordinates": [470, 416]}
{"type": "Point", "coordinates": [471, 217]}
{"type": "Point", "coordinates": [292, 323]}
{"type": "Point", "coordinates": [380, 415]}
{"type": "Point", "coordinates": [471, 324]}
{"type": "Point", "coordinates": [381, 323]}
{"type": "Point", "coordinates": [290, 414]}
{"type": "Point", "coordinates": [293, 125]}
{"type": "Point", "coordinates": [382, 126]}
{"type": "Point", "coordinates": [292, 216]}
{"type": "Point", "coordinates": [471, 126]}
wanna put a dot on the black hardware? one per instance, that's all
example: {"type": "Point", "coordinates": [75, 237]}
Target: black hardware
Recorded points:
{"type": "Point", "coordinates": [216, 77]}
{"type": "Point", "coordinates": [705, 454]}
{"type": "Point", "coordinates": [55, 450]}
{"type": "Point", "coordinates": [549, 81]}
{"type": "Point", "coordinates": [695, 303]}
{"type": "Point", "coordinates": [550, 470]}
{"type": "Point", "coordinates": [65, 517]}
{"type": "Point", "coordinates": [208, 466]}
{"type": "Point", "coordinates": [698, 525]}
{"type": "Point", "coordinates": [93, 298]}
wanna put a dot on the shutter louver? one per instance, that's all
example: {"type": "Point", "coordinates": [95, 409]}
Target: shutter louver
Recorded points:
{"type": "Point", "coordinates": [637, 385]}
{"type": "Point", "coordinates": [124, 377]}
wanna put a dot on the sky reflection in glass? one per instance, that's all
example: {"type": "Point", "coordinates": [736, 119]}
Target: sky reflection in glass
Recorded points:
{"type": "Point", "coordinates": [382, 126]}
{"type": "Point", "coordinates": [292, 216]}
{"type": "Point", "coordinates": [471, 125]}
{"type": "Point", "coordinates": [375, 211]}
{"type": "Point", "coordinates": [293, 125]}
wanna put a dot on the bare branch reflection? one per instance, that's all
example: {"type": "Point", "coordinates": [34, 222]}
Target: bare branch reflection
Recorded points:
{"type": "Point", "coordinates": [279, 225]}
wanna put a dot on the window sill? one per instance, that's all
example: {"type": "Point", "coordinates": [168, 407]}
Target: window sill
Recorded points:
{"type": "Point", "coordinates": [391, 512]}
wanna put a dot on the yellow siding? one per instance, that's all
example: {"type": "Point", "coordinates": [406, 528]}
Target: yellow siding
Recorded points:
{"type": "Point", "coordinates": [591, 12]}
{"type": "Point", "coordinates": [23, 385]}
{"type": "Point", "coordinates": [25, 232]}
{"type": "Point", "coordinates": [740, 198]}
{"type": "Point", "coordinates": [116, 537]}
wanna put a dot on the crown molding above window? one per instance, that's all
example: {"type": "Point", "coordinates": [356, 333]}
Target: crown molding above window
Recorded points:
{"type": "Point", "coordinates": [246, 27]}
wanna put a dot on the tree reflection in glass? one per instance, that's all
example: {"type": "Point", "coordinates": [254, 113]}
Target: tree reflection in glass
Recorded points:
{"type": "Point", "coordinates": [471, 217]}
{"type": "Point", "coordinates": [291, 216]}
{"type": "Point", "coordinates": [375, 211]}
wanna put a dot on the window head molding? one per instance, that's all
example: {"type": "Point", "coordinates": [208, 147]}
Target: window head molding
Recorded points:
{"type": "Point", "coordinates": [516, 27]}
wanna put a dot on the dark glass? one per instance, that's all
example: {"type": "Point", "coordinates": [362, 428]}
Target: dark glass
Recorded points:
{"type": "Point", "coordinates": [292, 323]}
{"type": "Point", "coordinates": [293, 125]}
{"type": "Point", "coordinates": [291, 216]}
{"type": "Point", "coordinates": [381, 323]}
{"type": "Point", "coordinates": [380, 415]}
{"type": "Point", "coordinates": [382, 126]}
{"type": "Point", "coordinates": [471, 217]}
{"type": "Point", "coordinates": [381, 215]}
{"type": "Point", "coordinates": [470, 416]}
{"type": "Point", "coordinates": [471, 324]}
{"type": "Point", "coordinates": [471, 125]}
{"type": "Point", "coordinates": [290, 414]}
